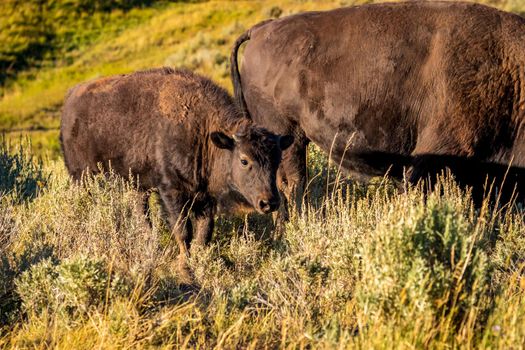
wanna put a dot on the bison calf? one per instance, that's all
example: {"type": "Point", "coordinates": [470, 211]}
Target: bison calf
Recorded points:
{"type": "Point", "coordinates": [179, 133]}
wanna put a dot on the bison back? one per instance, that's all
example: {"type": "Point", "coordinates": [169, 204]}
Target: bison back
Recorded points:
{"type": "Point", "coordinates": [129, 123]}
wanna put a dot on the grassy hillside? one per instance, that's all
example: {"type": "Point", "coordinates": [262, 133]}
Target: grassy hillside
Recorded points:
{"type": "Point", "coordinates": [362, 267]}
{"type": "Point", "coordinates": [193, 35]}
{"type": "Point", "coordinates": [197, 36]}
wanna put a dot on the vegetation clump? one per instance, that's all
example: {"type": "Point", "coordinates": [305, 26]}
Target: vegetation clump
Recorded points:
{"type": "Point", "coordinates": [21, 175]}
{"type": "Point", "coordinates": [70, 288]}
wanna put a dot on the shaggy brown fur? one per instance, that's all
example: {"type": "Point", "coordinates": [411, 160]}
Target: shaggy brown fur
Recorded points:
{"type": "Point", "coordinates": [177, 132]}
{"type": "Point", "coordinates": [418, 85]}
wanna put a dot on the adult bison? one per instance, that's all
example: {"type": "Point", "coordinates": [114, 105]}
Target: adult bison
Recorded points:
{"type": "Point", "coordinates": [177, 132]}
{"type": "Point", "coordinates": [420, 86]}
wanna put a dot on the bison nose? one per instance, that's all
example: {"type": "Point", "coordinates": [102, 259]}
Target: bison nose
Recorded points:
{"type": "Point", "coordinates": [268, 205]}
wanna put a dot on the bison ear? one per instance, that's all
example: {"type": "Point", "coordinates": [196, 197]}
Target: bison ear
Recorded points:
{"type": "Point", "coordinates": [285, 142]}
{"type": "Point", "coordinates": [222, 141]}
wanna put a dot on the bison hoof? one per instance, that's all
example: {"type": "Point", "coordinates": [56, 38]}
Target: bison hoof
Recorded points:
{"type": "Point", "coordinates": [183, 271]}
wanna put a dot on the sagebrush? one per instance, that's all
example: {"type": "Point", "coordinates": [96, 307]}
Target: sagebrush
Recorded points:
{"type": "Point", "coordinates": [367, 266]}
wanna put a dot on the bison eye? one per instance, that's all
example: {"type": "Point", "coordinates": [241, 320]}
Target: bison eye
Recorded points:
{"type": "Point", "coordinates": [244, 162]}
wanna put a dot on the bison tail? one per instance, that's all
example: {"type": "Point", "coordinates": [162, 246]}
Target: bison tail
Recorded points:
{"type": "Point", "coordinates": [236, 76]}
{"type": "Point", "coordinates": [234, 66]}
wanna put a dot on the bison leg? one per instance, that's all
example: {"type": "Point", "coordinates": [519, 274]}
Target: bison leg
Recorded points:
{"type": "Point", "coordinates": [204, 225]}
{"type": "Point", "coordinates": [177, 208]}
{"type": "Point", "coordinates": [292, 174]}
{"type": "Point", "coordinates": [291, 180]}
{"type": "Point", "coordinates": [145, 197]}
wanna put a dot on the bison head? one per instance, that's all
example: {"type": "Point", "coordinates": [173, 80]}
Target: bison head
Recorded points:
{"type": "Point", "coordinates": [255, 157]}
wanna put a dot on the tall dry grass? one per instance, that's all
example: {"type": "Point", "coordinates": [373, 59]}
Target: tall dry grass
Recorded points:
{"type": "Point", "coordinates": [365, 267]}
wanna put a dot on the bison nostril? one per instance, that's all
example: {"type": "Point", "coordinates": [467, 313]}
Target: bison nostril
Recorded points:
{"type": "Point", "coordinates": [269, 205]}
{"type": "Point", "coordinates": [264, 205]}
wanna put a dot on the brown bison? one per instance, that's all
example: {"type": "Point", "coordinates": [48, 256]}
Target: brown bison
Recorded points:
{"type": "Point", "coordinates": [179, 133]}
{"type": "Point", "coordinates": [418, 86]}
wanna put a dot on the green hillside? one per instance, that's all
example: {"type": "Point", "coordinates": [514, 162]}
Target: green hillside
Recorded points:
{"type": "Point", "coordinates": [192, 34]}
{"type": "Point", "coordinates": [196, 36]}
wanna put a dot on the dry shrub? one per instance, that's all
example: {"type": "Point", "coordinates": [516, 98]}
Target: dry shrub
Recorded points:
{"type": "Point", "coordinates": [360, 266]}
{"type": "Point", "coordinates": [99, 217]}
